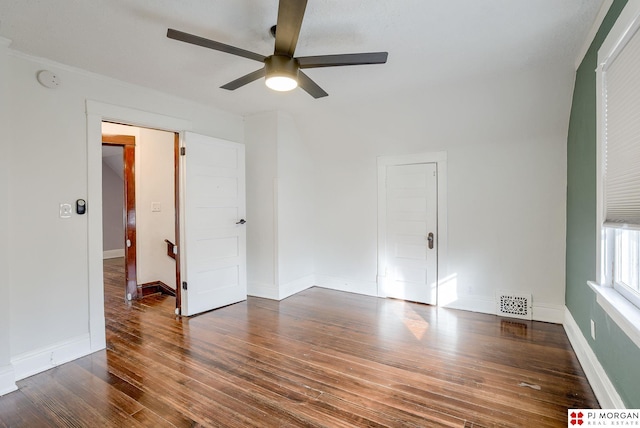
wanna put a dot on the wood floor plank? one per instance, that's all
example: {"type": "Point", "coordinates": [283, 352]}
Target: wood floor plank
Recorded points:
{"type": "Point", "coordinates": [65, 408]}
{"type": "Point", "coordinates": [98, 366]}
{"type": "Point", "coordinates": [16, 410]}
{"type": "Point", "coordinates": [320, 358]}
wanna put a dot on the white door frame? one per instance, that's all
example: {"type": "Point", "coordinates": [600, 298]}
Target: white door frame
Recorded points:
{"type": "Point", "coordinates": [97, 112]}
{"type": "Point", "coordinates": [440, 159]}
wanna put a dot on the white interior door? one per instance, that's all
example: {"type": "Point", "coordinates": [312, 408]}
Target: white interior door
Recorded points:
{"type": "Point", "coordinates": [411, 238]}
{"type": "Point", "coordinates": [213, 232]}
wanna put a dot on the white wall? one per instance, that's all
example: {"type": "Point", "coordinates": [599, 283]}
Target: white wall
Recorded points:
{"type": "Point", "coordinates": [296, 209]}
{"type": "Point", "coordinates": [505, 138]}
{"type": "Point", "coordinates": [280, 207]}
{"type": "Point", "coordinates": [346, 231]}
{"type": "Point", "coordinates": [155, 184]}
{"type": "Point", "coordinates": [7, 378]}
{"type": "Point", "coordinates": [261, 141]}
{"type": "Point", "coordinates": [112, 206]}
{"type": "Point", "coordinates": [49, 310]}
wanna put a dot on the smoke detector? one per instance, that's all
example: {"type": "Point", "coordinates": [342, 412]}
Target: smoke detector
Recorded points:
{"type": "Point", "coordinates": [48, 79]}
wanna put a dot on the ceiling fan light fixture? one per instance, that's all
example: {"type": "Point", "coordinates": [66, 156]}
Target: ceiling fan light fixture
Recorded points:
{"type": "Point", "coordinates": [281, 83]}
{"type": "Point", "coordinates": [281, 73]}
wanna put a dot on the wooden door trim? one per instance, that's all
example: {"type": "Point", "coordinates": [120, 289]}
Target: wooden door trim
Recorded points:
{"type": "Point", "coordinates": [118, 140]}
{"type": "Point", "coordinates": [127, 142]}
{"type": "Point", "coordinates": [132, 291]}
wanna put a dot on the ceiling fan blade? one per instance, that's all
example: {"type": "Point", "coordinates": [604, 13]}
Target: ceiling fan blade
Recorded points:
{"type": "Point", "coordinates": [342, 59]}
{"type": "Point", "coordinates": [310, 86]}
{"type": "Point", "coordinates": [211, 44]}
{"type": "Point", "coordinates": [244, 80]}
{"type": "Point", "coordinates": [290, 14]}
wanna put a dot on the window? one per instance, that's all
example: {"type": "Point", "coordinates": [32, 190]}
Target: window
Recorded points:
{"type": "Point", "coordinates": [626, 265]}
{"type": "Point", "coordinates": [621, 169]}
{"type": "Point", "coordinates": [620, 145]}
{"type": "Point", "coordinates": [618, 246]}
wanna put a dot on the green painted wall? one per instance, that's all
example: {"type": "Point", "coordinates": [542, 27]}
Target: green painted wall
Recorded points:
{"type": "Point", "coordinates": [616, 352]}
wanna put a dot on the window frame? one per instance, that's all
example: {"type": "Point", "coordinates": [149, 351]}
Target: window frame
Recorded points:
{"type": "Point", "coordinates": [625, 290]}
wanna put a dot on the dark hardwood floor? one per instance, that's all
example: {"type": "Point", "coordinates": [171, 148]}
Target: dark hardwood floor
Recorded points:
{"type": "Point", "coordinates": [320, 358]}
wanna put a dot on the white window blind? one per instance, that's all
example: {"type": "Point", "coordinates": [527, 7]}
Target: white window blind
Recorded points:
{"type": "Point", "coordinates": [622, 137]}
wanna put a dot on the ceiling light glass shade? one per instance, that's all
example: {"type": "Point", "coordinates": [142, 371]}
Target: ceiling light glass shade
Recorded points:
{"type": "Point", "coordinates": [281, 73]}
{"type": "Point", "coordinates": [281, 83]}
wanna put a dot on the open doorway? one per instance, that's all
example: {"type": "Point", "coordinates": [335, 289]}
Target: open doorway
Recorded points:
{"type": "Point", "coordinates": [140, 206]}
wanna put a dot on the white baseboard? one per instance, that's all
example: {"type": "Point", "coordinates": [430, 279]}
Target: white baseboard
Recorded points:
{"type": "Point", "coordinates": [485, 305]}
{"type": "Point", "coordinates": [34, 362]}
{"type": "Point", "coordinates": [293, 287]}
{"type": "Point", "coordinates": [7, 380]}
{"type": "Point", "coordinates": [368, 288]}
{"type": "Point", "coordinates": [604, 390]}
{"type": "Point", "coordinates": [274, 292]}
{"type": "Point", "coordinates": [263, 290]}
{"type": "Point", "coordinates": [548, 313]}
{"type": "Point", "coordinates": [113, 254]}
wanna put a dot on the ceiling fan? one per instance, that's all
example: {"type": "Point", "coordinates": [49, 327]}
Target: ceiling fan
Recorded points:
{"type": "Point", "coordinates": [282, 71]}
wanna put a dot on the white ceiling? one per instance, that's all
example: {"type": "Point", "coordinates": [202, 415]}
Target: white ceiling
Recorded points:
{"type": "Point", "coordinates": [431, 44]}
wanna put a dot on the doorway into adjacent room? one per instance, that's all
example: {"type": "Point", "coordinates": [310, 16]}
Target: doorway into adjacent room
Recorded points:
{"type": "Point", "coordinates": [140, 201]}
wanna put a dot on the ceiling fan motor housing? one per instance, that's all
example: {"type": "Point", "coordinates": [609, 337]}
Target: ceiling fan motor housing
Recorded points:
{"type": "Point", "coordinates": [281, 65]}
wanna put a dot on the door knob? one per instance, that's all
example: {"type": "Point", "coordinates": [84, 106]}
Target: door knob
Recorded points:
{"type": "Point", "coordinates": [242, 221]}
{"type": "Point", "coordinates": [430, 240]}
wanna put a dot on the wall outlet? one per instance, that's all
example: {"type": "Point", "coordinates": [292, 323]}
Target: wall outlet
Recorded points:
{"type": "Point", "coordinates": [156, 207]}
{"type": "Point", "coordinates": [593, 329]}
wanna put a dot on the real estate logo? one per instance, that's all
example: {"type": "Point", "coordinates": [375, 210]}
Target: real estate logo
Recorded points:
{"type": "Point", "coordinates": [603, 417]}
{"type": "Point", "coordinates": [575, 418]}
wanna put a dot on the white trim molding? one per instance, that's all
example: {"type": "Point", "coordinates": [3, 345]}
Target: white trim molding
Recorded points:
{"type": "Point", "coordinates": [624, 313]}
{"type": "Point", "coordinates": [548, 313]}
{"type": "Point", "coordinates": [296, 286]}
{"type": "Point", "coordinates": [604, 390]}
{"type": "Point", "coordinates": [281, 291]}
{"type": "Point", "coordinates": [368, 288]}
{"type": "Point", "coordinates": [97, 112]}
{"type": "Point", "coordinates": [262, 290]}
{"type": "Point", "coordinates": [37, 361]}
{"type": "Point", "coordinates": [113, 254]}
{"type": "Point", "coordinates": [440, 159]}
{"type": "Point", "coordinates": [481, 304]}
{"type": "Point", "coordinates": [487, 305]}
{"type": "Point", "coordinates": [7, 380]}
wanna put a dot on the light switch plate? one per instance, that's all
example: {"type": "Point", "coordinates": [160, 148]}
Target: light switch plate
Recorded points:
{"type": "Point", "coordinates": [65, 211]}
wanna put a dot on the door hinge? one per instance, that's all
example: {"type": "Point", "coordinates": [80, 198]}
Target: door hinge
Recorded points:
{"type": "Point", "coordinates": [183, 151]}
{"type": "Point", "coordinates": [184, 285]}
